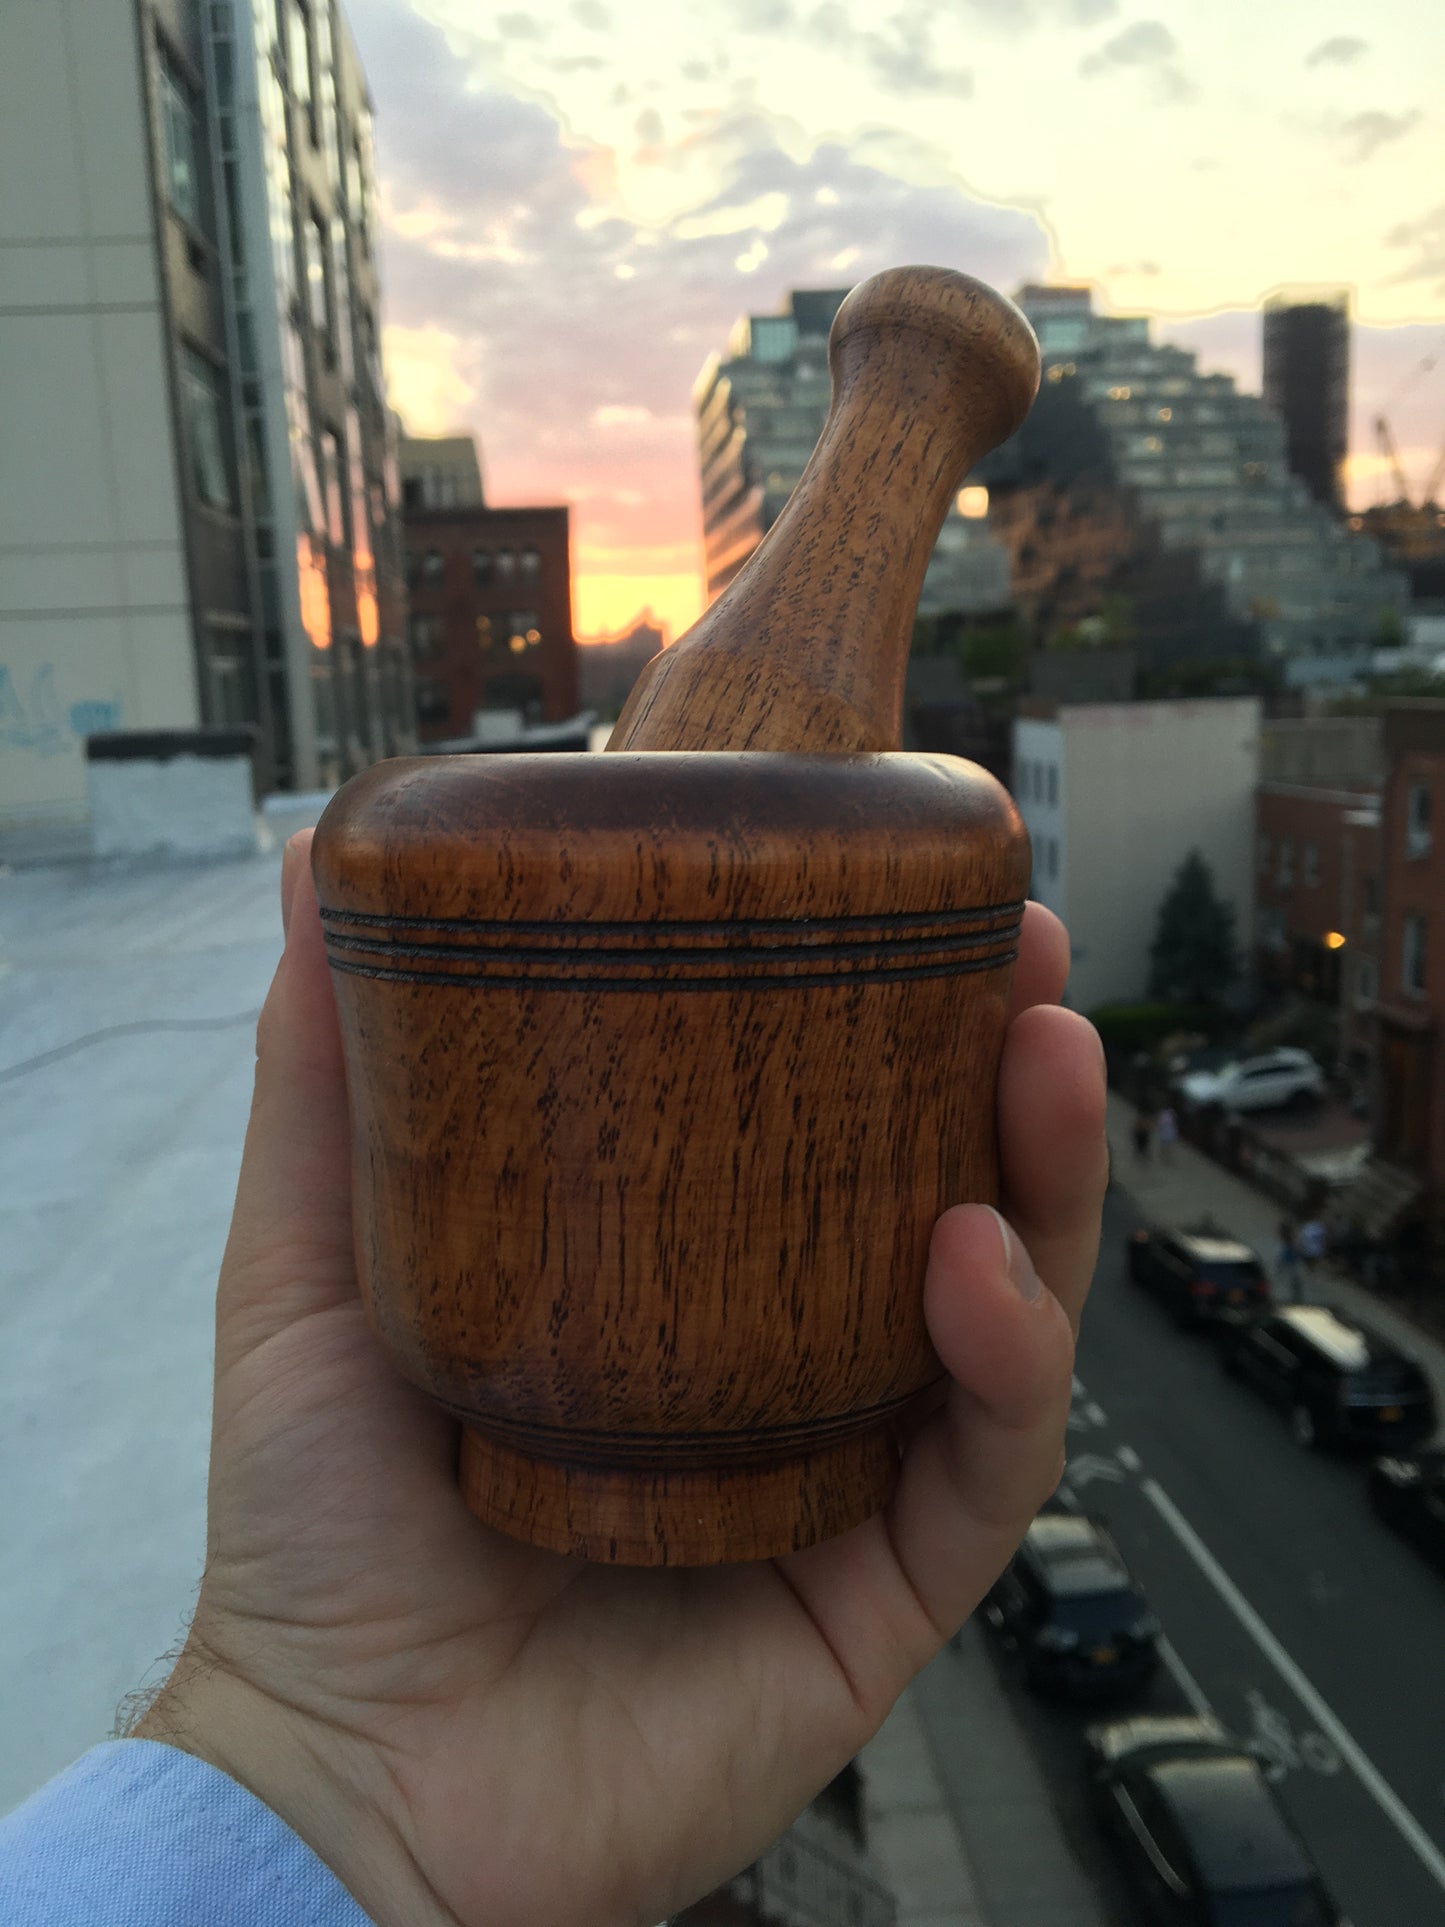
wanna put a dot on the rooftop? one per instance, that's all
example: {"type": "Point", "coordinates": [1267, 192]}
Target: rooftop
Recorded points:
{"type": "Point", "coordinates": [128, 1001]}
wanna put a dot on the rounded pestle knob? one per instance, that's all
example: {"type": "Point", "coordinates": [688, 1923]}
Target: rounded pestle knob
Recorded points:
{"type": "Point", "coordinates": [807, 648]}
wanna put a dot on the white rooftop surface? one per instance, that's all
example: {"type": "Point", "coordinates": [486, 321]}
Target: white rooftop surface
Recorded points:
{"type": "Point", "coordinates": [119, 1153]}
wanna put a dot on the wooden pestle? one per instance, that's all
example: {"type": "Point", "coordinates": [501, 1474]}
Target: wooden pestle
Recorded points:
{"type": "Point", "coordinates": [807, 647]}
{"type": "Point", "coordinates": [662, 1065]}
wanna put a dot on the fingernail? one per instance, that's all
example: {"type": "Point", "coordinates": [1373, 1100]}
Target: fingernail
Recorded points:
{"type": "Point", "coordinates": [290, 859]}
{"type": "Point", "coordinates": [1017, 1262]}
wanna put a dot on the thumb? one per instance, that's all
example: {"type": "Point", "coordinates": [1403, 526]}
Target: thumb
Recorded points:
{"type": "Point", "coordinates": [290, 1248]}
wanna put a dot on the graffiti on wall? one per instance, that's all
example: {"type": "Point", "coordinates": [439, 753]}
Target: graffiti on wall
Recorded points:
{"type": "Point", "coordinates": [32, 716]}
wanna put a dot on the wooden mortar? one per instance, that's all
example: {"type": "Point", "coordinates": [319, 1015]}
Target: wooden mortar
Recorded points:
{"type": "Point", "coordinates": [663, 1063]}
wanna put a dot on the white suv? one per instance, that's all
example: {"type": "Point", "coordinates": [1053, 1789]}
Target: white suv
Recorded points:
{"type": "Point", "coordinates": [1261, 1083]}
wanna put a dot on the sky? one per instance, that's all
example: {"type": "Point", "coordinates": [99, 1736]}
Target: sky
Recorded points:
{"type": "Point", "coordinates": [580, 197]}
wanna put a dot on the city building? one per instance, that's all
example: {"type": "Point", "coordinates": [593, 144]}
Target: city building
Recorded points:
{"type": "Point", "coordinates": [1307, 384]}
{"type": "Point", "coordinates": [1317, 874]}
{"type": "Point", "coordinates": [198, 499]}
{"type": "Point", "coordinates": [1114, 797]}
{"type": "Point", "coordinates": [608, 665]}
{"type": "Point", "coordinates": [761, 406]}
{"type": "Point", "coordinates": [491, 603]}
{"type": "Point", "coordinates": [440, 472]}
{"type": "Point", "coordinates": [1410, 1120]}
{"type": "Point", "coordinates": [1160, 501]}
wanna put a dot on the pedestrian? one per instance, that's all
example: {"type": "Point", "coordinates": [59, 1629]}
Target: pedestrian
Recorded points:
{"type": "Point", "coordinates": [1166, 1133]}
{"type": "Point", "coordinates": [1288, 1261]}
{"type": "Point", "coordinates": [1312, 1242]}
{"type": "Point", "coordinates": [1143, 1133]}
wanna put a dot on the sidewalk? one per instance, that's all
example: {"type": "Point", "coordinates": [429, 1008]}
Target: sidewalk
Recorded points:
{"type": "Point", "coordinates": [1191, 1185]}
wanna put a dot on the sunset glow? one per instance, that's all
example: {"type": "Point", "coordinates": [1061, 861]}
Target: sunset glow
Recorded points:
{"type": "Point", "coordinates": [579, 201]}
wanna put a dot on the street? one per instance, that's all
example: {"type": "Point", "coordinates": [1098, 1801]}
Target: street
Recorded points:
{"type": "Point", "coordinates": [1288, 1609]}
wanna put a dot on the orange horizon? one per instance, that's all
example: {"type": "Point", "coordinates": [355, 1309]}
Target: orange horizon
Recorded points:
{"type": "Point", "coordinates": [607, 604]}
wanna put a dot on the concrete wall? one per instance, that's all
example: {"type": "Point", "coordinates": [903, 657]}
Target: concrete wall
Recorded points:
{"type": "Point", "coordinates": [1140, 785]}
{"type": "Point", "coordinates": [94, 622]}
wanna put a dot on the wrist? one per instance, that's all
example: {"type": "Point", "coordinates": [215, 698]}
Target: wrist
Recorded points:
{"type": "Point", "coordinates": [325, 1784]}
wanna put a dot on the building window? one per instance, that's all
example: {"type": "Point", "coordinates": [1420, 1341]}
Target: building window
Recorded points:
{"type": "Point", "coordinates": [1370, 920]}
{"type": "Point", "coordinates": [433, 568]}
{"type": "Point", "coordinates": [530, 564]}
{"type": "Point", "coordinates": [1367, 980]}
{"type": "Point", "coordinates": [426, 633]}
{"type": "Point", "coordinates": [523, 632]}
{"type": "Point", "coordinates": [1053, 786]}
{"type": "Point", "coordinates": [331, 493]}
{"type": "Point", "coordinates": [1053, 853]}
{"type": "Point", "coordinates": [1266, 852]}
{"type": "Point", "coordinates": [301, 61]}
{"type": "Point", "coordinates": [506, 565]}
{"type": "Point", "coordinates": [484, 633]}
{"type": "Point", "coordinates": [1284, 876]}
{"type": "Point", "coordinates": [1312, 865]}
{"type": "Point", "coordinates": [178, 122]}
{"type": "Point", "coordinates": [1413, 973]}
{"type": "Point", "coordinates": [318, 293]}
{"type": "Point", "coordinates": [1271, 927]}
{"type": "Point", "coordinates": [433, 702]}
{"type": "Point", "coordinates": [1417, 820]}
{"type": "Point", "coordinates": [481, 566]}
{"type": "Point", "coordinates": [205, 437]}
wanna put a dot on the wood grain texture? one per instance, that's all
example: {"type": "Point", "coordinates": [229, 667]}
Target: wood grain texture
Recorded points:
{"type": "Point", "coordinates": [807, 647]}
{"type": "Point", "coordinates": [662, 1064]}
{"type": "Point", "coordinates": [662, 1068]}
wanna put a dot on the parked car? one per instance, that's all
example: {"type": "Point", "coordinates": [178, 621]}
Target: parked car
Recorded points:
{"type": "Point", "coordinates": [1263, 1083]}
{"type": "Point", "coordinates": [1196, 1273]}
{"type": "Point", "coordinates": [1069, 1608]}
{"type": "Point", "coordinates": [1339, 1380]}
{"type": "Point", "coordinates": [1201, 1836]}
{"type": "Point", "coordinates": [1408, 1492]}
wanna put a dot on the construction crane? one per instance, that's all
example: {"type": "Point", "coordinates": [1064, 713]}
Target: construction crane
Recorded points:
{"type": "Point", "coordinates": [1385, 442]}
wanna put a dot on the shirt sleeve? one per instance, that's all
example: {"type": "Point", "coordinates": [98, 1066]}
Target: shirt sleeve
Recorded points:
{"type": "Point", "coordinates": [139, 1834]}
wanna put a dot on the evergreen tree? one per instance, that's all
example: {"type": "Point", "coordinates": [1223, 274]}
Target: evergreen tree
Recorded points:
{"type": "Point", "coordinates": [1192, 958]}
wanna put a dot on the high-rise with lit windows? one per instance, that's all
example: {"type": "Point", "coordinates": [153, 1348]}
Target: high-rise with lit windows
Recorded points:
{"type": "Point", "coordinates": [198, 497]}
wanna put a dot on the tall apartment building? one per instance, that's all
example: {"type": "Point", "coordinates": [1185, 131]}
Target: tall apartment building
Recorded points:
{"type": "Point", "coordinates": [761, 406]}
{"type": "Point", "coordinates": [1188, 508]}
{"type": "Point", "coordinates": [1307, 384]}
{"type": "Point", "coordinates": [198, 501]}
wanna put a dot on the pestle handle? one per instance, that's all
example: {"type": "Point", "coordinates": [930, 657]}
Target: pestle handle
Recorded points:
{"type": "Point", "coordinates": [806, 649]}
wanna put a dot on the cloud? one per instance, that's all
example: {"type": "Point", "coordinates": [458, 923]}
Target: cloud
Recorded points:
{"type": "Point", "coordinates": [522, 303]}
{"type": "Point", "coordinates": [1145, 46]}
{"type": "Point", "coordinates": [1371, 131]}
{"type": "Point", "coordinates": [1426, 235]}
{"type": "Point", "coordinates": [519, 26]}
{"type": "Point", "coordinates": [1339, 51]}
{"type": "Point", "coordinates": [590, 13]}
{"type": "Point", "coordinates": [1127, 270]}
{"type": "Point", "coordinates": [899, 57]}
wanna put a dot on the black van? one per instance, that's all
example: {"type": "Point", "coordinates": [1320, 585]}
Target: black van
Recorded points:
{"type": "Point", "coordinates": [1340, 1381]}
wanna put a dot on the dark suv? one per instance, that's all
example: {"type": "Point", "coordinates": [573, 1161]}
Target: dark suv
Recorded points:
{"type": "Point", "coordinates": [1069, 1607]}
{"type": "Point", "coordinates": [1340, 1382]}
{"type": "Point", "coordinates": [1197, 1273]}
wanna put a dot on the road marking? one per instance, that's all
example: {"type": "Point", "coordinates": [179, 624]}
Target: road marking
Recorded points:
{"type": "Point", "coordinates": [1128, 1458]}
{"type": "Point", "coordinates": [1186, 1682]}
{"type": "Point", "coordinates": [1095, 1414]}
{"type": "Point", "coordinates": [1368, 1774]}
{"type": "Point", "coordinates": [1089, 1466]}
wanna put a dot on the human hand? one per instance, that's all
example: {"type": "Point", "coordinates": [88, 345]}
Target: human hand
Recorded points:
{"type": "Point", "coordinates": [468, 1730]}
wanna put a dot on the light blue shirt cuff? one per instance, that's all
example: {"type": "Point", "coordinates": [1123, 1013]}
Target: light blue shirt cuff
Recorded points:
{"type": "Point", "coordinates": [138, 1834]}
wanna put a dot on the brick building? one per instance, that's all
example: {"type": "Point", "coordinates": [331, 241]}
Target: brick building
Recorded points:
{"type": "Point", "coordinates": [1317, 882]}
{"type": "Point", "coordinates": [491, 617]}
{"type": "Point", "coordinates": [1411, 1121]}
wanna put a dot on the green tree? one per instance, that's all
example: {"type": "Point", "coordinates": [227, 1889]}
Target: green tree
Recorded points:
{"type": "Point", "coordinates": [1192, 958]}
